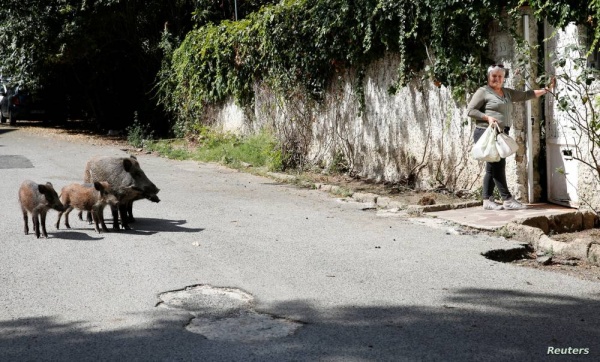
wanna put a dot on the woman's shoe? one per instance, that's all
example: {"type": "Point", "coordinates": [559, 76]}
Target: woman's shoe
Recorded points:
{"type": "Point", "coordinates": [491, 205]}
{"type": "Point", "coordinates": [512, 204]}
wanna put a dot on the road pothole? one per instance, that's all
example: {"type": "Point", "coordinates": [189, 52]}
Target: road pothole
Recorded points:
{"type": "Point", "coordinates": [226, 314]}
{"type": "Point", "coordinates": [510, 255]}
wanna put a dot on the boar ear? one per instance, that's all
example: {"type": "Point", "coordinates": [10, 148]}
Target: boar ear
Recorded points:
{"type": "Point", "coordinates": [42, 189]}
{"type": "Point", "coordinates": [98, 186]}
{"type": "Point", "coordinates": [127, 164]}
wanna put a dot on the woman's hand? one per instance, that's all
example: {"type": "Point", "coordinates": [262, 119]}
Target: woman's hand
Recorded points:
{"type": "Point", "coordinates": [552, 85]}
{"type": "Point", "coordinates": [491, 120]}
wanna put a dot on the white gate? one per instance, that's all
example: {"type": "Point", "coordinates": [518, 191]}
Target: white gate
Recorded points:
{"type": "Point", "coordinates": [562, 169]}
{"type": "Point", "coordinates": [562, 172]}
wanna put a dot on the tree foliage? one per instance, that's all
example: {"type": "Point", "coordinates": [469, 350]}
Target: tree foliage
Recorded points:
{"type": "Point", "coordinates": [106, 56]}
{"type": "Point", "coordinates": [102, 55]}
{"type": "Point", "coordinates": [214, 11]}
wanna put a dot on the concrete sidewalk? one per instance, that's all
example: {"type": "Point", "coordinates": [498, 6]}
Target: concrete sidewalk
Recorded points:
{"type": "Point", "coordinates": [477, 217]}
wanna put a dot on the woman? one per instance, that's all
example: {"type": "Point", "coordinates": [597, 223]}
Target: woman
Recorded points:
{"type": "Point", "coordinates": [492, 104]}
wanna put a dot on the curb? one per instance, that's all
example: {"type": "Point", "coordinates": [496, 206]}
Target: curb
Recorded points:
{"type": "Point", "coordinates": [418, 209]}
{"type": "Point", "coordinates": [385, 202]}
{"type": "Point", "coordinates": [535, 231]}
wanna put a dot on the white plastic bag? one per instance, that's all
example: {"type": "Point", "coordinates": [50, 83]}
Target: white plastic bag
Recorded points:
{"type": "Point", "coordinates": [506, 145]}
{"type": "Point", "coordinates": [485, 148]}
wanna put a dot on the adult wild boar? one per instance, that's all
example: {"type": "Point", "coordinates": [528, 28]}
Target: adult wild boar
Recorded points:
{"type": "Point", "coordinates": [128, 180]}
{"type": "Point", "coordinates": [37, 200]}
{"type": "Point", "coordinates": [91, 197]}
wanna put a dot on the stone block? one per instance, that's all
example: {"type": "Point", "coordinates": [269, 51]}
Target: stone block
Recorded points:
{"type": "Point", "coordinates": [529, 234]}
{"type": "Point", "coordinates": [395, 204]}
{"type": "Point", "coordinates": [565, 223]}
{"type": "Point", "coordinates": [589, 220]}
{"type": "Point", "coordinates": [540, 222]}
{"type": "Point", "coordinates": [577, 248]}
{"type": "Point", "coordinates": [550, 245]}
{"type": "Point", "coordinates": [366, 197]}
{"type": "Point", "coordinates": [593, 255]}
{"type": "Point", "coordinates": [383, 201]}
{"type": "Point", "coordinates": [326, 188]}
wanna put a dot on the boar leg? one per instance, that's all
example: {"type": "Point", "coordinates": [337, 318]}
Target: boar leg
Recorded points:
{"type": "Point", "coordinates": [43, 217]}
{"type": "Point", "coordinates": [88, 217]}
{"type": "Point", "coordinates": [96, 221]}
{"type": "Point", "coordinates": [58, 220]}
{"type": "Point", "coordinates": [67, 212]}
{"type": "Point", "coordinates": [101, 218]}
{"type": "Point", "coordinates": [36, 223]}
{"type": "Point", "coordinates": [130, 217]}
{"type": "Point", "coordinates": [123, 214]}
{"type": "Point", "coordinates": [115, 214]}
{"type": "Point", "coordinates": [26, 228]}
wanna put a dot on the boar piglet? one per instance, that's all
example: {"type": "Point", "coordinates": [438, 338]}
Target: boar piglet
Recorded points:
{"type": "Point", "coordinates": [127, 178]}
{"type": "Point", "coordinates": [37, 200]}
{"type": "Point", "coordinates": [89, 197]}
{"type": "Point", "coordinates": [129, 216]}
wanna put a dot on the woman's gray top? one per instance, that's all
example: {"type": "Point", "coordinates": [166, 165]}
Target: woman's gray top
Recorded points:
{"type": "Point", "coordinates": [486, 102]}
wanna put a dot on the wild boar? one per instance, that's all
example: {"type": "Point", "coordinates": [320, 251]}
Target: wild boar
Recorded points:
{"type": "Point", "coordinates": [37, 200]}
{"type": "Point", "coordinates": [90, 197]}
{"type": "Point", "coordinates": [125, 176]}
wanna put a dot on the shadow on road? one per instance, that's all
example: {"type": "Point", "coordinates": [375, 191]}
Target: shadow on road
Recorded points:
{"type": "Point", "coordinates": [6, 130]}
{"type": "Point", "coordinates": [469, 325]}
{"type": "Point", "coordinates": [142, 226]}
{"type": "Point", "coordinates": [149, 226]}
{"type": "Point", "coordinates": [72, 234]}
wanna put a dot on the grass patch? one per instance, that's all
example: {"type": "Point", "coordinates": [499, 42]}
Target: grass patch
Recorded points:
{"type": "Point", "coordinates": [137, 134]}
{"type": "Point", "coordinates": [504, 233]}
{"type": "Point", "coordinates": [260, 150]}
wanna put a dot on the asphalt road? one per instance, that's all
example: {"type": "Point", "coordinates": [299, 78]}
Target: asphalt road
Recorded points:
{"type": "Point", "coordinates": [357, 286]}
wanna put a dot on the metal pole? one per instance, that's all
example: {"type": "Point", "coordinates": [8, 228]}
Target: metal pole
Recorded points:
{"type": "Point", "coordinates": [235, 5]}
{"type": "Point", "coordinates": [529, 121]}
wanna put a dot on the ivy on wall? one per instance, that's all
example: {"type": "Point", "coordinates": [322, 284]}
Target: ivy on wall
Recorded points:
{"type": "Point", "coordinates": [301, 44]}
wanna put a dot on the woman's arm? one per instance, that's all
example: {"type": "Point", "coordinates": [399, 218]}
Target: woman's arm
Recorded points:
{"type": "Point", "coordinates": [518, 96]}
{"type": "Point", "coordinates": [476, 103]}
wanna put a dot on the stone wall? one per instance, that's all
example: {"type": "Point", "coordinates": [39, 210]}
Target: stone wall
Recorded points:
{"type": "Point", "coordinates": [418, 135]}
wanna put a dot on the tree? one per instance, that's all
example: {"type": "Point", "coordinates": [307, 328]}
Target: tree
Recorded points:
{"type": "Point", "coordinates": [102, 55]}
{"type": "Point", "coordinates": [576, 102]}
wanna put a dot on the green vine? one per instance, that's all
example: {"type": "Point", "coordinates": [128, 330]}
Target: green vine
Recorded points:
{"type": "Point", "coordinates": [300, 44]}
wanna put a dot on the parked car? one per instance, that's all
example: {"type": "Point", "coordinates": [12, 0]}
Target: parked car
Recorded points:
{"type": "Point", "coordinates": [3, 92]}
{"type": "Point", "coordinates": [18, 103]}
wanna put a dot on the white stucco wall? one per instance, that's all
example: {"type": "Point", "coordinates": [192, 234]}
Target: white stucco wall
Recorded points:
{"type": "Point", "coordinates": [419, 134]}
